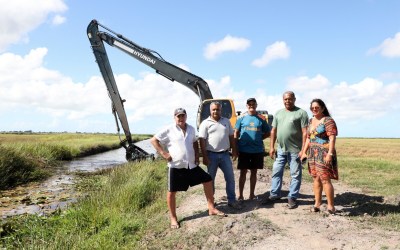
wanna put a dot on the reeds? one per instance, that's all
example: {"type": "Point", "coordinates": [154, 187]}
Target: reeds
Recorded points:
{"type": "Point", "coordinates": [31, 157]}
{"type": "Point", "coordinates": [118, 209]}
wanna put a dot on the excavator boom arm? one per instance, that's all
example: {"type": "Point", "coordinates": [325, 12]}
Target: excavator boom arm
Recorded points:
{"type": "Point", "coordinates": [148, 57]}
{"type": "Point", "coordinates": [151, 58]}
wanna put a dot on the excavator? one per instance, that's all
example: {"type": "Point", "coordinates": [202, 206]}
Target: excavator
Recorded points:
{"type": "Point", "coordinates": [98, 38]}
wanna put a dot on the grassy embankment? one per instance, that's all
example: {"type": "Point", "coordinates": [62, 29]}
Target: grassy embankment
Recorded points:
{"type": "Point", "coordinates": [30, 157]}
{"type": "Point", "coordinates": [129, 200]}
{"type": "Point", "coordinates": [122, 204]}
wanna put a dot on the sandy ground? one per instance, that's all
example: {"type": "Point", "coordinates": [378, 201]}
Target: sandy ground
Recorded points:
{"type": "Point", "coordinates": [274, 226]}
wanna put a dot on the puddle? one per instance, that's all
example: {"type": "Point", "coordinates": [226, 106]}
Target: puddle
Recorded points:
{"type": "Point", "coordinates": [40, 198]}
{"type": "Point", "coordinates": [58, 191]}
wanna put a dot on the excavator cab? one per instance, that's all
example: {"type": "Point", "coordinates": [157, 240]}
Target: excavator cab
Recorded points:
{"type": "Point", "coordinates": [228, 110]}
{"type": "Point", "coordinates": [268, 117]}
{"type": "Point", "coordinates": [263, 114]}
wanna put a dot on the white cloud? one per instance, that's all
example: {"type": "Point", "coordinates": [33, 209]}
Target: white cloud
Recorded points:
{"type": "Point", "coordinates": [390, 47]}
{"type": "Point", "coordinates": [304, 83]}
{"type": "Point", "coordinates": [154, 95]}
{"type": "Point", "coordinates": [229, 43]}
{"type": "Point", "coordinates": [29, 86]}
{"type": "Point", "coordinates": [362, 101]}
{"type": "Point", "coordinates": [278, 50]}
{"type": "Point", "coordinates": [57, 20]}
{"type": "Point", "coordinates": [19, 17]}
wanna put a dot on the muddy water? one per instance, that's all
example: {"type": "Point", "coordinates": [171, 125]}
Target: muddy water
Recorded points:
{"type": "Point", "coordinates": [58, 191]}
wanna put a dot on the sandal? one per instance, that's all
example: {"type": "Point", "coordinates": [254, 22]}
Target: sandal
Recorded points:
{"type": "Point", "coordinates": [254, 198]}
{"type": "Point", "coordinates": [331, 212]}
{"type": "Point", "coordinates": [219, 213]}
{"type": "Point", "coordinates": [315, 209]}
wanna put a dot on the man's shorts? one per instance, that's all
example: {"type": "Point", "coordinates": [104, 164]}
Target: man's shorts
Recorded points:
{"type": "Point", "coordinates": [179, 179]}
{"type": "Point", "coordinates": [250, 160]}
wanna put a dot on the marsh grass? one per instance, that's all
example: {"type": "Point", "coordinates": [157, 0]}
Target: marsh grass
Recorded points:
{"type": "Point", "coordinates": [30, 157]}
{"type": "Point", "coordinates": [16, 168]}
{"type": "Point", "coordinates": [77, 141]}
{"type": "Point", "coordinates": [114, 215]}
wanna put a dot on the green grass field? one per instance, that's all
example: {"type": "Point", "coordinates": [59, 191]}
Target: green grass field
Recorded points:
{"type": "Point", "coordinates": [371, 164]}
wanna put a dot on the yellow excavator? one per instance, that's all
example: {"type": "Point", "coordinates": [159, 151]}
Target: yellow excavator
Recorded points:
{"type": "Point", "coordinates": [152, 59]}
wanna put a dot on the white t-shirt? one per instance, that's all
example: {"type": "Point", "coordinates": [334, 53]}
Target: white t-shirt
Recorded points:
{"type": "Point", "coordinates": [179, 145]}
{"type": "Point", "coordinates": [216, 134]}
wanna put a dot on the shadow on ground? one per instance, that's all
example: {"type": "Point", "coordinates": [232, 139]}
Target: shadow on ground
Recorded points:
{"type": "Point", "coordinates": [356, 204]}
{"type": "Point", "coordinates": [353, 204]}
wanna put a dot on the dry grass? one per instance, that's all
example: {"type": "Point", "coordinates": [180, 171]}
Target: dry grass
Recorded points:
{"type": "Point", "coordinates": [379, 149]}
{"type": "Point", "coordinates": [371, 164]}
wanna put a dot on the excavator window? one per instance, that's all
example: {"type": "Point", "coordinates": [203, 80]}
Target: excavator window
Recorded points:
{"type": "Point", "coordinates": [226, 109]}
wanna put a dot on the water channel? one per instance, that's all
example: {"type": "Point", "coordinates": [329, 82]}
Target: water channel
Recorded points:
{"type": "Point", "coordinates": [58, 191]}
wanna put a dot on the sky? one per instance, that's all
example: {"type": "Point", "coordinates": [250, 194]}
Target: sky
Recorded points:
{"type": "Point", "coordinates": [346, 53]}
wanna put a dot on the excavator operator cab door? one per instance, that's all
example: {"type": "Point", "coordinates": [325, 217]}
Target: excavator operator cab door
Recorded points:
{"type": "Point", "coordinates": [228, 110]}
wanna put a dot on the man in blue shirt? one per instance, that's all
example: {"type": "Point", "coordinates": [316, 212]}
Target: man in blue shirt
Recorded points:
{"type": "Point", "coordinates": [250, 131]}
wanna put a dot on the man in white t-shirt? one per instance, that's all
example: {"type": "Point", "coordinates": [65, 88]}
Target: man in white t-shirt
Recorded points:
{"type": "Point", "coordinates": [216, 140]}
{"type": "Point", "coordinates": [183, 159]}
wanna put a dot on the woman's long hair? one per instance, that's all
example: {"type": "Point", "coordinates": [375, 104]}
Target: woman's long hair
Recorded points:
{"type": "Point", "coordinates": [323, 106]}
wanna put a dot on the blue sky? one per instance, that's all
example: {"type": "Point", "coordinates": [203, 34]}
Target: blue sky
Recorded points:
{"type": "Point", "coordinates": [344, 52]}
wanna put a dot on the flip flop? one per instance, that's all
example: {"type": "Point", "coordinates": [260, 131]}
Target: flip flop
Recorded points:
{"type": "Point", "coordinates": [331, 212]}
{"type": "Point", "coordinates": [315, 209]}
{"type": "Point", "coordinates": [221, 214]}
{"type": "Point", "coordinates": [175, 226]}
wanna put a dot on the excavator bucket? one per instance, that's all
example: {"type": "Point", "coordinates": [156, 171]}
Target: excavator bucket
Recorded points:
{"type": "Point", "coordinates": [134, 153]}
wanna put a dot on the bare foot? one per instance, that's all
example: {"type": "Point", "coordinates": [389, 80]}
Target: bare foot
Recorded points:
{"type": "Point", "coordinates": [216, 212]}
{"type": "Point", "coordinates": [175, 226]}
{"type": "Point", "coordinates": [174, 223]}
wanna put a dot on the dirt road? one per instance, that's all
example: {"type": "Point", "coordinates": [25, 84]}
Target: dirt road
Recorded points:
{"type": "Point", "coordinates": [275, 226]}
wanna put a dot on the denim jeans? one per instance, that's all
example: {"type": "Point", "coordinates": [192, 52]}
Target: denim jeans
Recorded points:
{"type": "Point", "coordinates": [295, 172]}
{"type": "Point", "coordinates": [223, 161]}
